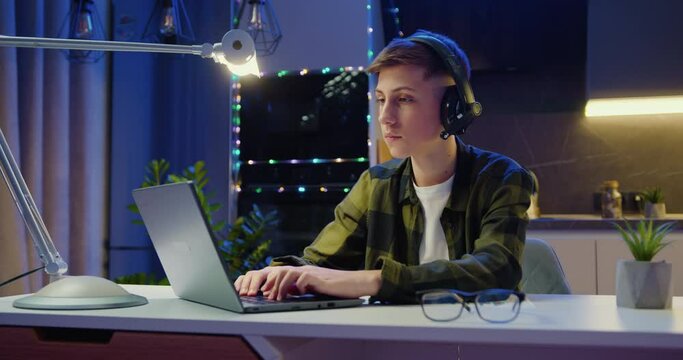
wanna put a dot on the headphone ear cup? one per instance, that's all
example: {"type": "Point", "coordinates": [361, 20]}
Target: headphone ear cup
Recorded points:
{"type": "Point", "coordinates": [450, 108]}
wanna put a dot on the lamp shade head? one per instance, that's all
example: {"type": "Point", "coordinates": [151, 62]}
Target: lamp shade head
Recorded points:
{"type": "Point", "coordinates": [238, 52]}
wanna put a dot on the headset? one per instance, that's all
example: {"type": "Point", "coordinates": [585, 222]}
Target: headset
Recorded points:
{"type": "Point", "coordinates": [458, 106]}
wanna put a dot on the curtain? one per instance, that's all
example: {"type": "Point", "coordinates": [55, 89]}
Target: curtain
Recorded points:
{"type": "Point", "coordinates": [55, 116]}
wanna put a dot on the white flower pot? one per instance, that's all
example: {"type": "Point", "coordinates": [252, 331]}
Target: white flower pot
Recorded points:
{"type": "Point", "coordinates": [644, 284]}
{"type": "Point", "coordinates": [655, 211]}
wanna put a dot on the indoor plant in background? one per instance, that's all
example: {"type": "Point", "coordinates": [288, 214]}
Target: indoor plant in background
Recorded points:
{"type": "Point", "coordinates": [242, 245]}
{"type": "Point", "coordinates": [642, 283]}
{"type": "Point", "coordinates": [654, 203]}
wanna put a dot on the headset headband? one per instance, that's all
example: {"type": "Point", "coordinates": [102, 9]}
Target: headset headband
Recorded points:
{"type": "Point", "coordinates": [471, 107]}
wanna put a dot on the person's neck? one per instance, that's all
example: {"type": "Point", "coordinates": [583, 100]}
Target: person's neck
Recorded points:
{"type": "Point", "coordinates": [437, 166]}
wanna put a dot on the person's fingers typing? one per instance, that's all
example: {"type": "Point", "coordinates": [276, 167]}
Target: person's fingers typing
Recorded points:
{"type": "Point", "coordinates": [245, 284]}
{"type": "Point", "coordinates": [255, 283]}
{"type": "Point", "coordinates": [287, 281]}
{"type": "Point", "coordinates": [270, 281]}
{"type": "Point", "coordinates": [303, 282]}
{"type": "Point", "coordinates": [238, 282]}
{"type": "Point", "coordinates": [276, 284]}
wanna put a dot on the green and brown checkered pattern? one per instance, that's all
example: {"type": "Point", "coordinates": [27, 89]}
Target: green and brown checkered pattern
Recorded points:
{"type": "Point", "coordinates": [379, 225]}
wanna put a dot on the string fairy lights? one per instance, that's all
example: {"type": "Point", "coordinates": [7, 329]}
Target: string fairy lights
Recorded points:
{"type": "Point", "coordinates": [236, 142]}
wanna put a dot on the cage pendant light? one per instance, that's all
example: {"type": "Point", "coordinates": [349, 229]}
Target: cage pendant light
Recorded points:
{"type": "Point", "coordinates": [169, 24]}
{"type": "Point", "coordinates": [83, 23]}
{"type": "Point", "coordinates": [257, 17]}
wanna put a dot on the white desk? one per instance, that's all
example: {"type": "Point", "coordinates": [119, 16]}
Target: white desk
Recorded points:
{"type": "Point", "coordinates": [579, 324]}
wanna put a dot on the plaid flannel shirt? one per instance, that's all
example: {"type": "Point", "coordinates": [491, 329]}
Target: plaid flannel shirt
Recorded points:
{"type": "Point", "coordinates": [380, 224]}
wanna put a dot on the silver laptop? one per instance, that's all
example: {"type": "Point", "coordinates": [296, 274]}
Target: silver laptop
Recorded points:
{"type": "Point", "coordinates": [184, 242]}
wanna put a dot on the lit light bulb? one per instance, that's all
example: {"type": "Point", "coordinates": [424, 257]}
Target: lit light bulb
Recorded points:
{"type": "Point", "coordinates": [250, 67]}
{"type": "Point", "coordinates": [167, 26]}
{"type": "Point", "coordinates": [84, 29]}
{"type": "Point", "coordinates": [256, 21]}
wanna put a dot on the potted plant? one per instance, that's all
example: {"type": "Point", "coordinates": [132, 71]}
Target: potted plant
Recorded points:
{"type": "Point", "coordinates": [654, 203]}
{"type": "Point", "coordinates": [642, 283]}
{"type": "Point", "coordinates": [243, 245]}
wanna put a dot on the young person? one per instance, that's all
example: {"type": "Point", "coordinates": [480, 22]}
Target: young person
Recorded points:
{"type": "Point", "coordinates": [442, 214]}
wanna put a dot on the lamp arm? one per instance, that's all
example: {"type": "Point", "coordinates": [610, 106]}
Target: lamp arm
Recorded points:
{"type": "Point", "coordinates": [235, 44]}
{"type": "Point", "coordinates": [235, 49]}
{"type": "Point", "coordinates": [102, 45]}
{"type": "Point", "coordinates": [55, 266]}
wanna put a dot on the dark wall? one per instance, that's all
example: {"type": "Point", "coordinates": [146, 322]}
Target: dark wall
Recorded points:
{"type": "Point", "coordinates": [635, 48]}
{"type": "Point", "coordinates": [538, 62]}
{"type": "Point", "coordinates": [572, 155]}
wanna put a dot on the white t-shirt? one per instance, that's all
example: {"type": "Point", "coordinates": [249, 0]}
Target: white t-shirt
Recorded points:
{"type": "Point", "coordinates": [433, 199]}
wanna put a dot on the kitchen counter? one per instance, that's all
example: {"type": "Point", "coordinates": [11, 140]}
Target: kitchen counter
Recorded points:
{"type": "Point", "coordinates": [592, 221]}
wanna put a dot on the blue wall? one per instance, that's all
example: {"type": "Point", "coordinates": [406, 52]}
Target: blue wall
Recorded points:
{"type": "Point", "coordinates": [163, 106]}
{"type": "Point", "coordinates": [318, 34]}
{"type": "Point", "coordinates": [177, 107]}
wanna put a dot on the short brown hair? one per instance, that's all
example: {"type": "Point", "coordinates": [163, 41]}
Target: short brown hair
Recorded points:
{"type": "Point", "coordinates": [403, 51]}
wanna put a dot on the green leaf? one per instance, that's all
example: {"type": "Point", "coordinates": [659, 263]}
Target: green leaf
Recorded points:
{"type": "Point", "coordinates": [176, 179]}
{"type": "Point", "coordinates": [246, 236]}
{"type": "Point", "coordinates": [242, 244]}
{"type": "Point", "coordinates": [156, 169]}
{"type": "Point", "coordinates": [219, 226]}
{"type": "Point", "coordinates": [645, 241]}
{"type": "Point", "coordinates": [653, 195]}
{"type": "Point", "coordinates": [201, 183]}
{"type": "Point", "coordinates": [256, 212]}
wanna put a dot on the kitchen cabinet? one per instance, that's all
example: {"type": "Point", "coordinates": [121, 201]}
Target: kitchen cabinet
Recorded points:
{"type": "Point", "coordinates": [589, 248]}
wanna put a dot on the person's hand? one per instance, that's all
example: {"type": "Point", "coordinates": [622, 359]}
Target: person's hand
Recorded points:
{"type": "Point", "coordinates": [279, 281]}
{"type": "Point", "coordinates": [304, 279]}
{"type": "Point", "coordinates": [249, 284]}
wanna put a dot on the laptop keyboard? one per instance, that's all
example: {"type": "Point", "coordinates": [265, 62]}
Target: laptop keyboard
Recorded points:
{"type": "Point", "coordinates": [262, 300]}
{"type": "Point", "coordinates": [258, 300]}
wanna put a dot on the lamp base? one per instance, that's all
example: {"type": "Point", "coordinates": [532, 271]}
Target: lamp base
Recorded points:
{"type": "Point", "coordinates": [80, 293]}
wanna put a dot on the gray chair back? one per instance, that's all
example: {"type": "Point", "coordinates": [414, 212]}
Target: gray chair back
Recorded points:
{"type": "Point", "coordinates": [541, 270]}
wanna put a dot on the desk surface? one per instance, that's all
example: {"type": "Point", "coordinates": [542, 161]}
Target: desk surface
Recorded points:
{"type": "Point", "coordinates": [582, 320]}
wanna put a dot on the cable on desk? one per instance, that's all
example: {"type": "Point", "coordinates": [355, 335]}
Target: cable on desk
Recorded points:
{"type": "Point", "coordinates": [21, 276]}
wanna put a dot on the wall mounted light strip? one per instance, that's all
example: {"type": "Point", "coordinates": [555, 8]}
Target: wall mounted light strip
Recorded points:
{"type": "Point", "coordinates": [281, 189]}
{"type": "Point", "coordinates": [634, 106]}
{"type": "Point", "coordinates": [306, 161]}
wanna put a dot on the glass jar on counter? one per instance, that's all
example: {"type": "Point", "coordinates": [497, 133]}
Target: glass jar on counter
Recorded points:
{"type": "Point", "coordinates": [611, 200]}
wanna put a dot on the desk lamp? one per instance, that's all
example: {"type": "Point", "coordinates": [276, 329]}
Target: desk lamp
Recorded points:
{"type": "Point", "coordinates": [236, 50]}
